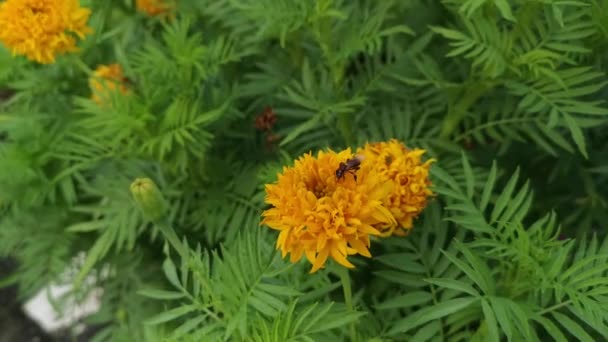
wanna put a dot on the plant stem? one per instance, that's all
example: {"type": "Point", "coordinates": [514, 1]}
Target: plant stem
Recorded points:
{"type": "Point", "coordinates": [554, 307]}
{"type": "Point", "coordinates": [348, 297]}
{"type": "Point", "coordinates": [344, 127]}
{"type": "Point", "coordinates": [322, 33]}
{"type": "Point", "coordinates": [169, 234]}
{"type": "Point", "coordinates": [82, 66]}
{"type": "Point", "coordinates": [459, 110]}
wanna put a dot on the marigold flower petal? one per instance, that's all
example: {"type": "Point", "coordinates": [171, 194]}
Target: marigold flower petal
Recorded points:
{"type": "Point", "coordinates": [361, 248]}
{"type": "Point", "coordinates": [319, 260]}
{"type": "Point", "coordinates": [296, 255]}
{"type": "Point", "coordinates": [340, 257]}
{"type": "Point", "coordinates": [42, 29]}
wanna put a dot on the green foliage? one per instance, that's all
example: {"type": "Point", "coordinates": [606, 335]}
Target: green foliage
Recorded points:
{"type": "Point", "coordinates": [507, 95]}
{"type": "Point", "coordinates": [257, 306]}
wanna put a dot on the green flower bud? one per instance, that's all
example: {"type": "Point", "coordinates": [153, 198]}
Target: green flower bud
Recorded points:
{"type": "Point", "coordinates": [149, 199]}
{"type": "Point", "coordinates": [121, 315]}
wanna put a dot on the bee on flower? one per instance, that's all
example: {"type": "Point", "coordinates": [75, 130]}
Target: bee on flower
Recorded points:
{"type": "Point", "coordinates": [329, 206]}
{"type": "Point", "coordinates": [320, 216]}
{"type": "Point", "coordinates": [107, 79]}
{"type": "Point", "coordinates": [42, 29]}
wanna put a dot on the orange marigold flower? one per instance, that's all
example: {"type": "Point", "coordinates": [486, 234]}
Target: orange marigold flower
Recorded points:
{"type": "Point", "coordinates": [322, 217]}
{"type": "Point", "coordinates": [410, 175]}
{"type": "Point", "coordinates": [42, 29]}
{"type": "Point", "coordinates": [155, 7]}
{"type": "Point", "coordinates": [106, 79]}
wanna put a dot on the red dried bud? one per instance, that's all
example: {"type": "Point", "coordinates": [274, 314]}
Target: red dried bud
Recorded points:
{"type": "Point", "coordinates": [266, 120]}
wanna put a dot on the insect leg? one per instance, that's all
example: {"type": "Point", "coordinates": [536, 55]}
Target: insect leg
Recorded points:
{"type": "Point", "coordinates": [352, 172]}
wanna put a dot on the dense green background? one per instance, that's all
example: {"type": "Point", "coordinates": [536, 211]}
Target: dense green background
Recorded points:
{"type": "Point", "coordinates": [507, 95]}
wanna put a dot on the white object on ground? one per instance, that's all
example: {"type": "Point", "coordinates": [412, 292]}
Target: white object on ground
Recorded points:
{"type": "Point", "coordinates": [40, 308]}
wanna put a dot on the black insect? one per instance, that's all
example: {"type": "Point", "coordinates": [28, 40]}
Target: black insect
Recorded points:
{"type": "Point", "coordinates": [351, 166]}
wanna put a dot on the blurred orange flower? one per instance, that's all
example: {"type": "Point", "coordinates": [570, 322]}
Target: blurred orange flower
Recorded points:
{"type": "Point", "coordinates": [107, 79]}
{"type": "Point", "coordinates": [155, 7]}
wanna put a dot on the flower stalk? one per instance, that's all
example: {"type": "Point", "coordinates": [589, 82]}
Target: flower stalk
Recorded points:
{"type": "Point", "coordinates": [348, 297]}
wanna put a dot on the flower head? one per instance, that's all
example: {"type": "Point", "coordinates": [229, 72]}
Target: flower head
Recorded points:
{"type": "Point", "coordinates": [42, 29]}
{"type": "Point", "coordinates": [322, 217]}
{"type": "Point", "coordinates": [393, 161]}
{"type": "Point", "coordinates": [149, 199]}
{"type": "Point", "coordinates": [106, 79]}
{"type": "Point", "coordinates": [155, 7]}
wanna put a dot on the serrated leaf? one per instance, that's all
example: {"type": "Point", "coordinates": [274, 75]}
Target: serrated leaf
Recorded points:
{"type": "Point", "coordinates": [171, 273]}
{"type": "Point", "coordinates": [336, 321]}
{"type": "Point", "coordinates": [431, 313]}
{"type": "Point", "coordinates": [406, 300]}
{"type": "Point", "coordinates": [490, 320]}
{"type": "Point", "coordinates": [188, 326]}
{"type": "Point", "coordinates": [160, 294]}
{"type": "Point", "coordinates": [472, 273]}
{"type": "Point", "coordinates": [505, 196]}
{"type": "Point", "coordinates": [505, 9]}
{"type": "Point", "coordinates": [454, 284]}
{"type": "Point", "coordinates": [489, 186]}
{"type": "Point", "coordinates": [469, 177]}
{"type": "Point", "coordinates": [99, 249]}
{"type": "Point", "coordinates": [280, 290]}
{"type": "Point", "coordinates": [86, 226]}
{"type": "Point", "coordinates": [577, 134]}
{"type": "Point", "coordinates": [170, 315]}
{"type": "Point", "coordinates": [262, 307]}
{"type": "Point", "coordinates": [427, 332]}
{"type": "Point", "coordinates": [301, 128]}
{"type": "Point", "coordinates": [501, 311]}
{"type": "Point", "coordinates": [406, 262]}
{"type": "Point", "coordinates": [552, 329]}
{"type": "Point", "coordinates": [574, 328]}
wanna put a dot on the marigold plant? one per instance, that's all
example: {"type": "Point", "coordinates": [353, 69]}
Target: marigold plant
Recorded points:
{"type": "Point", "coordinates": [411, 177]}
{"type": "Point", "coordinates": [107, 79]}
{"type": "Point", "coordinates": [194, 198]}
{"type": "Point", "coordinates": [321, 216]}
{"type": "Point", "coordinates": [42, 29]}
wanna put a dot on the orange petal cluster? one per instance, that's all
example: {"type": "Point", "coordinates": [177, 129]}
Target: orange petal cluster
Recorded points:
{"type": "Point", "coordinates": [107, 79]}
{"type": "Point", "coordinates": [320, 216]}
{"type": "Point", "coordinates": [393, 161]}
{"type": "Point", "coordinates": [154, 7]}
{"type": "Point", "coordinates": [42, 29]}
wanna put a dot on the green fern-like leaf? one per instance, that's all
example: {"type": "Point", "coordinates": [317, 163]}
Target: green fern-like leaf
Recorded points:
{"type": "Point", "coordinates": [483, 43]}
{"type": "Point", "coordinates": [250, 266]}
